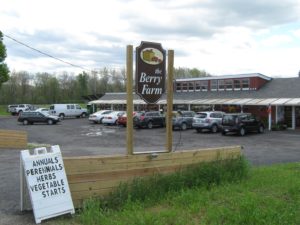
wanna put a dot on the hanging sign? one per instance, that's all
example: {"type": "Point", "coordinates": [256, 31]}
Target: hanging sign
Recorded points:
{"type": "Point", "coordinates": [47, 183]}
{"type": "Point", "coordinates": [150, 71]}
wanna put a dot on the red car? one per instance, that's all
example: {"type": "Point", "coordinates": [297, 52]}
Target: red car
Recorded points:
{"type": "Point", "coordinates": [122, 120]}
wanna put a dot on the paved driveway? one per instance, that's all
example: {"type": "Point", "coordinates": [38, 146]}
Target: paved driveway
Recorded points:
{"type": "Point", "coordinates": [79, 137]}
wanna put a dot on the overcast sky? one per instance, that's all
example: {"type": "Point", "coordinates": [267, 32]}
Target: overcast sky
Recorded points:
{"type": "Point", "coordinates": [219, 36]}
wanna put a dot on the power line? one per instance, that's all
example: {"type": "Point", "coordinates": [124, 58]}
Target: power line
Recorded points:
{"type": "Point", "coordinates": [46, 54]}
{"type": "Point", "coordinates": [53, 57]}
{"type": "Point", "coordinates": [63, 61]}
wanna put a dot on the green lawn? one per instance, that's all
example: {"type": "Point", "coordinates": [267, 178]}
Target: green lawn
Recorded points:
{"type": "Point", "coordinates": [3, 110]}
{"type": "Point", "coordinates": [268, 195]}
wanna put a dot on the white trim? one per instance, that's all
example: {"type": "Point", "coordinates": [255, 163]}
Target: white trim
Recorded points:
{"type": "Point", "coordinates": [201, 101]}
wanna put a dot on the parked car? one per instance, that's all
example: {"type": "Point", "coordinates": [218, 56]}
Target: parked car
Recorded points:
{"type": "Point", "coordinates": [122, 120]}
{"type": "Point", "coordinates": [11, 108]}
{"type": "Point", "coordinates": [98, 116]}
{"type": "Point", "coordinates": [112, 118]}
{"type": "Point", "coordinates": [182, 120]}
{"type": "Point", "coordinates": [149, 119]}
{"type": "Point", "coordinates": [17, 109]}
{"type": "Point", "coordinates": [31, 117]}
{"type": "Point", "coordinates": [68, 110]}
{"type": "Point", "coordinates": [209, 120]}
{"type": "Point", "coordinates": [241, 123]}
{"type": "Point", "coordinates": [43, 110]}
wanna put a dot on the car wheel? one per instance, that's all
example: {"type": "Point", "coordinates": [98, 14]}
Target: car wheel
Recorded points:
{"type": "Point", "coordinates": [198, 130]}
{"type": "Point", "coordinates": [261, 129]}
{"type": "Point", "coordinates": [83, 115]}
{"type": "Point", "coordinates": [150, 125]}
{"type": "Point", "coordinates": [61, 116]}
{"type": "Point", "coordinates": [50, 122]}
{"type": "Point", "coordinates": [242, 131]}
{"type": "Point", "coordinates": [116, 122]}
{"type": "Point", "coordinates": [214, 128]}
{"type": "Point", "coordinates": [25, 122]}
{"type": "Point", "coordinates": [224, 133]}
{"type": "Point", "coordinates": [183, 126]}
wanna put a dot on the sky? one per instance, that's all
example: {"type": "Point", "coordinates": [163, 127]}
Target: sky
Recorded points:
{"type": "Point", "coordinates": [222, 37]}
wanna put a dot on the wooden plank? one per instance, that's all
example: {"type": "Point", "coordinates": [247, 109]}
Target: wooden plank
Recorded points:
{"type": "Point", "coordinates": [13, 139]}
{"type": "Point", "coordinates": [99, 175]}
{"type": "Point", "coordinates": [87, 165]}
{"type": "Point", "coordinates": [110, 175]}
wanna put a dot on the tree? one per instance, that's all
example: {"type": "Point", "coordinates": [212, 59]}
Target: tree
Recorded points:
{"type": "Point", "coordinates": [4, 71]}
{"type": "Point", "coordinates": [82, 83]}
{"type": "Point", "coordinates": [183, 72]}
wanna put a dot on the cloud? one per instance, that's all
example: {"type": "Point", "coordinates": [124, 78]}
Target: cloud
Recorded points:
{"type": "Point", "coordinates": [218, 36]}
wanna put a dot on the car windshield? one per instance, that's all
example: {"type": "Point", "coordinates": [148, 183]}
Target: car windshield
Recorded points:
{"type": "Point", "coordinates": [228, 119]}
{"type": "Point", "coordinates": [201, 115]}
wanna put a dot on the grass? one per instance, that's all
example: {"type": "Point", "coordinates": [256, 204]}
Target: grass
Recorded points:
{"type": "Point", "coordinates": [3, 110]}
{"type": "Point", "coordinates": [267, 195]}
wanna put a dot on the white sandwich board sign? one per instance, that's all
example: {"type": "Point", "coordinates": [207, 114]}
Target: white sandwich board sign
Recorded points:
{"type": "Point", "coordinates": [46, 182]}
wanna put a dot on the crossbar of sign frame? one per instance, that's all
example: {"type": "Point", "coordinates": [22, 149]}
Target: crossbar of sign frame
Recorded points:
{"type": "Point", "coordinates": [46, 182]}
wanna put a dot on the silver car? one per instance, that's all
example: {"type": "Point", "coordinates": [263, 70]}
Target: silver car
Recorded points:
{"type": "Point", "coordinates": [210, 120]}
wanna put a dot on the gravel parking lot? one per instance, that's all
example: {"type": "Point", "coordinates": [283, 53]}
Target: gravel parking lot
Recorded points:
{"type": "Point", "coordinates": [80, 137]}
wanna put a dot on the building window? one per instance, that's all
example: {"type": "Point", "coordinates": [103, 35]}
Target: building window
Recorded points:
{"type": "Point", "coordinates": [197, 86]}
{"type": "Point", "coordinates": [191, 86]}
{"type": "Point", "coordinates": [228, 85]}
{"type": "Point", "coordinates": [178, 87]}
{"type": "Point", "coordinates": [184, 86]}
{"type": "Point", "coordinates": [221, 85]}
{"type": "Point", "coordinates": [237, 84]}
{"type": "Point", "coordinates": [245, 84]}
{"type": "Point", "coordinates": [204, 85]}
{"type": "Point", "coordinates": [214, 85]}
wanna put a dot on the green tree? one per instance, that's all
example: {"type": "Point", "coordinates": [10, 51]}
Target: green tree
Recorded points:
{"type": "Point", "coordinates": [82, 83]}
{"type": "Point", "coordinates": [183, 72]}
{"type": "Point", "coordinates": [4, 71]}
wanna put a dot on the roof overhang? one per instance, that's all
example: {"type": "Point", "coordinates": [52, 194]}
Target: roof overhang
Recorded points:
{"type": "Point", "coordinates": [233, 101]}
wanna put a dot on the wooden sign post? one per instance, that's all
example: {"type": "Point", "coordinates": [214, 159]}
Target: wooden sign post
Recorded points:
{"type": "Point", "coordinates": [46, 182]}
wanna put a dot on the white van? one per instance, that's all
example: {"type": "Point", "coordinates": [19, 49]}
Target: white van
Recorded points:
{"type": "Point", "coordinates": [68, 110]}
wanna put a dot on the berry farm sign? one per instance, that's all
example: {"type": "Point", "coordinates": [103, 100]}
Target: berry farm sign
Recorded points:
{"type": "Point", "coordinates": [150, 71]}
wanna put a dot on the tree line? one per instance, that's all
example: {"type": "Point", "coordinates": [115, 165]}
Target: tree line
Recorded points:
{"type": "Point", "coordinates": [47, 88]}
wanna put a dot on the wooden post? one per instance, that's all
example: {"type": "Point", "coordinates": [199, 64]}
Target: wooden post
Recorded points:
{"type": "Point", "coordinates": [170, 100]}
{"type": "Point", "coordinates": [129, 108]}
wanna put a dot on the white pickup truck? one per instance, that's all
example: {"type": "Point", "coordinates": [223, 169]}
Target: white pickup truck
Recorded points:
{"type": "Point", "coordinates": [68, 110]}
{"type": "Point", "coordinates": [16, 109]}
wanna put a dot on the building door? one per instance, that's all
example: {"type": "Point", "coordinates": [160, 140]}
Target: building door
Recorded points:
{"type": "Point", "coordinates": [288, 115]}
{"type": "Point", "coordinates": [297, 115]}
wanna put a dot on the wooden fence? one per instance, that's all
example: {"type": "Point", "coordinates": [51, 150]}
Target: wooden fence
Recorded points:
{"type": "Point", "coordinates": [13, 139]}
{"type": "Point", "coordinates": [99, 175]}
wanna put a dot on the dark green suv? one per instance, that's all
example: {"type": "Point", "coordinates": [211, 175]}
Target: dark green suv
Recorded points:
{"type": "Point", "coordinates": [241, 123]}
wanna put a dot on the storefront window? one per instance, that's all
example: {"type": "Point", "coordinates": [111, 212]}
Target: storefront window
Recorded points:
{"type": "Point", "coordinates": [245, 84]}
{"type": "Point", "coordinates": [221, 85]}
{"type": "Point", "coordinates": [237, 84]}
{"type": "Point", "coordinates": [184, 86]}
{"type": "Point", "coordinates": [228, 84]}
{"type": "Point", "coordinates": [204, 85]}
{"type": "Point", "coordinates": [197, 86]}
{"type": "Point", "coordinates": [214, 85]}
{"type": "Point", "coordinates": [178, 87]}
{"type": "Point", "coordinates": [191, 86]}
